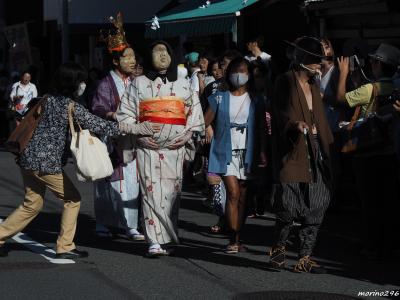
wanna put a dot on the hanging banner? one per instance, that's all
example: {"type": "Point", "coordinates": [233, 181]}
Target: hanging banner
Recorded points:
{"type": "Point", "coordinates": [20, 56]}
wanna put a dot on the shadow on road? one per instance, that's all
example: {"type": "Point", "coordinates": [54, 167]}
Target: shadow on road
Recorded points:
{"type": "Point", "coordinates": [337, 253]}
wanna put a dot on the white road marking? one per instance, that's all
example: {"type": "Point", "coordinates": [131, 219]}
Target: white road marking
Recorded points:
{"type": "Point", "coordinates": [40, 249]}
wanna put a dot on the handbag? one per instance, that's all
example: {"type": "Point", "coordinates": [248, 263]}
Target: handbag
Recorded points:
{"type": "Point", "coordinates": [91, 154]}
{"type": "Point", "coordinates": [23, 133]}
{"type": "Point", "coordinates": [365, 134]}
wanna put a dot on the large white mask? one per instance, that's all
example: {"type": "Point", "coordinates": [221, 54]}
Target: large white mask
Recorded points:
{"type": "Point", "coordinates": [161, 58]}
{"type": "Point", "coordinates": [127, 61]}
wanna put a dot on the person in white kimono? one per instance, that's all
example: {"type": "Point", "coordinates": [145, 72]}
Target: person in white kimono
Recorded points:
{"type": "Point", "coordinates": [117, 197]}
{"type": "Point", "coordinates": [161, 97]}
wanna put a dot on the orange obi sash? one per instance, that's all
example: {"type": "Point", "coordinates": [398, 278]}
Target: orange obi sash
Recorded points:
{"type": "Point", "coordinates": [164, 110]}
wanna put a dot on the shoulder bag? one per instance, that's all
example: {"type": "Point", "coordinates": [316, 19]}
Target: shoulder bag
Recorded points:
{"type": "Point", "coordinates": [91, 155]}
{"type": "Point", "coordinates": [23, 133]}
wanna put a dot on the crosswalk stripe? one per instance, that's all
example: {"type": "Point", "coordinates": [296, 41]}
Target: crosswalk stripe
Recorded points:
{"type": "Point", "coordinates": [40, 249]}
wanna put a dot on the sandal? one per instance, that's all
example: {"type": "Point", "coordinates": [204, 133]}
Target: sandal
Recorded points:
{"type": "Point", "coordinates": [232, 249]}
{"type": "Point", "coordinates": [216, 228]}
{"type": "Point", "coordinates": [219, 227]}
{"type": "Point", "coordinates": [253, 216]}
{"type": "Point", "coordinates": [134, 235]}
{"type": "Point", "coordinates": [157, 251]}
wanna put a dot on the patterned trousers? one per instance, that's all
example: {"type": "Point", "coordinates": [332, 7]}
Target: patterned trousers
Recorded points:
{"type": "Point", "coordinates": [306, 202]}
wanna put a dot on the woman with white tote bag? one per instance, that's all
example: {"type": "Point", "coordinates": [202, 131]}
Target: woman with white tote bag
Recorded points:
{"type": "Point", "coordinates": [42, 160]}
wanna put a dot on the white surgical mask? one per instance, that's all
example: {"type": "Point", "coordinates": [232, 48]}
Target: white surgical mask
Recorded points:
{"type": "Point", "coordinates": [317, 74]}
{"type": "Point", "coordinates": [81, 89]}
{"type": "Point", "coordinates": [238, 79]}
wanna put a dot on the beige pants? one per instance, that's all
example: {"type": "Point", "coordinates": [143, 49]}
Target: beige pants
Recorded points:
{"type": "Point", "coordinates": [35, 188]}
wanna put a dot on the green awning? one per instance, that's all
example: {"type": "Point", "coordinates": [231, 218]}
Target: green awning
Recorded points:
{"type": "Point", "coordinates": [191, 20]}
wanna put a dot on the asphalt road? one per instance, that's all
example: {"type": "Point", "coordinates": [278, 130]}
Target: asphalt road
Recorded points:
{"type": "Point", "coordinates": [118, 269]}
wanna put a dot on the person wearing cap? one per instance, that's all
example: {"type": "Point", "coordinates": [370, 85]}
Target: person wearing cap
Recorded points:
{"type": "Point", "coordinates": [376, 170]}
{"type": "Point", "coordinates": [192, 61]}
{"type": "Point", "coordinates": [384, 62]}
{"type": "Point", "coordinates": [300, 154]}
{"type": "Point", "coordinates": [117, 198]}
{"type": "Point", "coordinates": [161, 97]}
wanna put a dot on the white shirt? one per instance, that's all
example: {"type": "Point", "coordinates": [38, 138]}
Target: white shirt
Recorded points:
{"type": "Point", "coordinates": [194, 81]}
{"type": "Point", "coordinates": [239, 107]}
{"type": "Point", "coordinates": [325, 79]}
{"type": "Point", "coordinates": [28, 92]}
{"type": "Point", "coordinates": [265, 57]}
{"type": "Point", "coordinates": [120, 83]}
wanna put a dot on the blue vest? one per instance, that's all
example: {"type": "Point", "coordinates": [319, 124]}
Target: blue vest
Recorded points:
{"type": "Point", "coordinates": [221, 145]}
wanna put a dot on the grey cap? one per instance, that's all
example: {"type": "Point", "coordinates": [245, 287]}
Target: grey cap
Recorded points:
{"type": "Point", "coordinates": [387, 54]}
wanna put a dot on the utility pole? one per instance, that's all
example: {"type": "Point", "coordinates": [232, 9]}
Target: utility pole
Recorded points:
{"type": "Point", "coordinates": [65, 31]}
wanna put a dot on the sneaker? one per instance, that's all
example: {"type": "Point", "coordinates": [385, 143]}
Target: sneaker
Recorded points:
{"type": "Point", "coordinates": [73, 254]}
{"type": "Point", "coordinates": [3, 252]}
{"type": "Point", "coordinates": [306, 265]}
{"type": "Point", "coordinates": [277, 257]}
{"type": "Point", "coordinates": [134, 235]}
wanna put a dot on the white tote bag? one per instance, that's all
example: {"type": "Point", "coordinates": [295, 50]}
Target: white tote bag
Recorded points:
{"type": "Point", "coordinates": [91, 155]}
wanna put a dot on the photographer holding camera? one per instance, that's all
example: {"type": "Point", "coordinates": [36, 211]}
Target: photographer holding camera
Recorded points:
{"type": "Point", "coordinates": [375, 167]}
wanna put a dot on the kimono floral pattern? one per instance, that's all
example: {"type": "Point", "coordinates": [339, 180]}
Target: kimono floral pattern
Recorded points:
{"type": "Point", "coordinates": [160, 170]}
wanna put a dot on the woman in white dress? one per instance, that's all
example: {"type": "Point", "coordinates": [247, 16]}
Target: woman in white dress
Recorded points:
{"type": "Point", "coordinates": [232, 151]}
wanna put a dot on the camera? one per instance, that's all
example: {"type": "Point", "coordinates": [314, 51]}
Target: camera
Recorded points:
{"type": "Point", "coordinates": [355, 63]}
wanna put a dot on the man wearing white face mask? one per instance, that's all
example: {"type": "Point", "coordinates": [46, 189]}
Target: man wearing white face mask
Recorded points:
{"type": "Point", "coordinates": [300, 151]}
{"type": "Point", "coordinates": [232, 152]}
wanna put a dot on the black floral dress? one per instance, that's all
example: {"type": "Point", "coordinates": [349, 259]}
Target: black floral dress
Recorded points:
{"type": "Point", "coordinates": [47, 151]}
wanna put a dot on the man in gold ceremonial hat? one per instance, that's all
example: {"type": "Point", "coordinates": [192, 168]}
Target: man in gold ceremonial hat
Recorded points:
{"type": "Point", "coordinates": [117, 198]}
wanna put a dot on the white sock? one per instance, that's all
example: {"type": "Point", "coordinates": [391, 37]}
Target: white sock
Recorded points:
{"type": "Point", "coordinates": [155, 246]}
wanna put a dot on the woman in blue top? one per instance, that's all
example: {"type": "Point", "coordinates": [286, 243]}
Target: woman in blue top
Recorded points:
{"type": "Point", "coordinates": [232, 147]}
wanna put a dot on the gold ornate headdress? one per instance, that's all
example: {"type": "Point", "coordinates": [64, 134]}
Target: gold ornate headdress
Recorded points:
{"type": "Point", "coordinates": [116, 41]}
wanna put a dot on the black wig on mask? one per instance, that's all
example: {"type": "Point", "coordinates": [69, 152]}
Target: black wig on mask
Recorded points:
{"type": "Point", "coordinates": [149, 70]}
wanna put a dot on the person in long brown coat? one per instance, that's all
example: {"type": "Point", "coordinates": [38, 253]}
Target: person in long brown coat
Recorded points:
{"type": "Point", "coordinates": [301, 139]}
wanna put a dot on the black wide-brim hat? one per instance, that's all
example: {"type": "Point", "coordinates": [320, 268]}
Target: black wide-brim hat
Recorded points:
{"type": "Point", "coordinates": [307, 50]}
{"type": "Point", "coordinates": [387, 54]}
